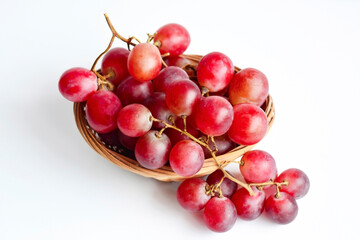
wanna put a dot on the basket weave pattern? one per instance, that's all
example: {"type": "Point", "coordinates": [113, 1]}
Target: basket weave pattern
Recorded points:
{"type": "Point", "coordinates": [165, 173]}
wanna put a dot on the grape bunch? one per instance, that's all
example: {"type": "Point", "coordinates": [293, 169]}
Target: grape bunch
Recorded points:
{"type": "Point", "coordinates": [156, 103]}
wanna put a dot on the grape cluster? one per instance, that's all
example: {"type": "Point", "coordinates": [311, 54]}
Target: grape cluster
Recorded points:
{"type": "Point", "coordinates": [168, 111]}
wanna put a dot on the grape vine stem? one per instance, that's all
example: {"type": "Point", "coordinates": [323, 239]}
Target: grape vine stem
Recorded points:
{"type": "Point", "coordinates": [115, 34]}
{"type": "Point", "coordinates": [226, 174]}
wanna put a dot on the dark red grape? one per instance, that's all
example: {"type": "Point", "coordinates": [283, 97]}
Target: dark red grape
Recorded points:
{"type": "Point", "coordinates": [258, 166]}
{"type": "Point", "coordinates": [101, 111]}
{"type": "Point", "coordinates": [115, 63]}
{"type": "Point", "coordinates": [298, 182]}
{"type": "Point", "coordinates": [186, 158]}
{"type": "Point", "coordinates": [167, 76]}
{"type": "Point", "coordinates": [177, 61]}
{"type": "Point", "coordinates": [172, 38]}
{"type": "Point", "coordinates": [191, 194]}
{"type": "Point", "coordinates": [176, 136]}
{"type": "Point", "coordinates": [281, 209]}
{"type": "Point", "coordinates": [126, 141]}
{"type": "Point", "coordinates": [134, 120]}
{"type": "Point", "coordinates": [182, 97]}
{"type": "Point", "coordinates": [152, 150]}
{"type": "Point", "coordinates": [220, 214]}
{"type": "Point", "coordinates": [227, 187]}
{"type": "Point", "coordinates": [132, 91]}
{"type": "Point", "coordinates": [214, 115]}
{"type": "Point", "coordinates": [223, 144]}
{"type": "Point", "coordinates": [144, 62]}
{"type": "Point", "coordinates": [248, 86]}
{"type": "Point", "coordinates": [157, 105]}
{"type": "Point", "coordinates": [77, 84]}
{"type": "Point", "coordinates": [249, 125]}
{"type": "Point", "coordinates": [110, 138]}
{"type": "Point", "coordinates": [215, 71]}
{"type": "Point", "coordinates": [249, 207]}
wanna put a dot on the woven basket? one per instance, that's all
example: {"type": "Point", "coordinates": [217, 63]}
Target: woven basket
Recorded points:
{"type": "Point", "coordinates": [123, 159]}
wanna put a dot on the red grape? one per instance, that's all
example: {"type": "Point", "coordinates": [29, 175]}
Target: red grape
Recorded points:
{"type": "Point", "coordinates": [186, 158]}
{"type": "Point", "coordinates": [134, 120]}
{"type": "Point", "coordinates": [115, 63]}
{"type": "Point", "coordinates": [173, 38]}
{"type": "Point", "coordinates": [144, 62]}
{"type": "Point", "coordinates": [248, 86]}
{"type": "Point", "coordinates": [167, 76]}
{"type": "Point", "coordinates": [126, 141]}
{"type": "Point", "coordinates": [220, 214]}
{"type": "Point", "coordinates": [227, 187]}
{"type": "Point", "coordinates": [214, 115]}
{"type": "Point", "coordinates": [101, 111]}
{"type": "Point", "coordinates": [249, 207]}
{"type": "Point", "coordinates": [249, 125]}
{"type": "Point", "coordinates": [77, 84]}
{"type": "Point", "coordinates": [176, 136]}
{"type": "Point", "coordinates": [182, 97]}
{"type": "Point", "coordinates": [110, 138]}
{"type": "Point", "coordinates": [298, 182]}
{"type": "Point", "coordinates": [191, 194]}
{"type": "Point", "coordinates": [132, 91]}
{"type": "Point", "coordinates": [258, 166]}
{"type": "Point", "coordinates": [152, 151]}
{"type": "Point", "coordinates": [157, 105]}
{"type": "Point", "coordinates": [281, 209]}
{"type": "Point", "coordinates": [215, 71]}
{"type": "Point", "coordinates": [177, 61]}
{"type": "Point", "coordinates": [223, 144]}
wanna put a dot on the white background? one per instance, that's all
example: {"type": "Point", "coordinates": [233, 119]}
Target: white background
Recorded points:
{"type": "Point", "coordinates": [54, 186]}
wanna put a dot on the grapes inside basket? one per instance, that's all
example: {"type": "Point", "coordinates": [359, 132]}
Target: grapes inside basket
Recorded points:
{"type": "Point", "coordinates": [157, 112]}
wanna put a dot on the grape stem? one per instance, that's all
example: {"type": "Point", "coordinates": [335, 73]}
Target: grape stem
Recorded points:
{"type": "Point", "coordinates": [115, 34]}
{"type": "Point", "coordinates": [226, 174]}
{"type": "Point", "coordinates": [214, 189]}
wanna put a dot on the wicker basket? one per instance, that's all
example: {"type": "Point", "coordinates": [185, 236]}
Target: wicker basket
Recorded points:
{"type": "Point", "coordinates": [165, 173]}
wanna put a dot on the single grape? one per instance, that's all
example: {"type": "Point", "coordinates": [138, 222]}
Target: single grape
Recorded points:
{"type": "Point", "coordinates": [101, 111]}
{"type": "Point", "coordinates": [132, 91]}
{"type": "Point", "coordinates": [176, 136]}
{"type": "Point", "coordinates": [223, 144]}
{"type": "Point", "coordinates": [152, 150]}
{"type": "Point", "coordinates": [248, 86]}
{"type": "Point", "coordinates": [249, 207]}
{"type": "Point", "coordinates": [214, 115]}
{"type": "Point", "coordinates": [191, 194]}
{"type": "Point", "coordinates": [215, 71]}
{"type": "Point", "coordinates": [157, 105]}
{"type": "Point", "coordinates": [258, 166]}
{"type": "Point", "coordinates": [298, 182]}
{"type": "Point", "coordinates": [220, 214]}
{"type": "Point", "coordinates": [227, 187]}
{"type": "Point", "coordinates": [144, 62]}
{"type": "Point", "coordinates": [177, 61]}
{"type": "Point", "coordinates": [186, 158]}
{"type": "Point", "coordinates": [134, 120]}
{"type": "Point", "coordinates": [281, 209]}
{"type": "Point", "coordinates": [110, 138]}
{"type": "Point", "coordinates": [249, 125]}
{"type": "Point", "coordinates": [126, 141]}
{"type": "Point", "coordinates": [172, 38]}
{"type": "Point", "coordinates": [114, 63]}
{"type": "Point", "coordinates": [77, 84]}
{"type": "Point", "coordinates": [182, 97]}
{"type": "Point", "coordinates": [167, 76]}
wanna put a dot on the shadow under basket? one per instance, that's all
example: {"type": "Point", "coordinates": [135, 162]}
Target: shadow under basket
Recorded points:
{"type": "Point", "coordinates": [126, 160]}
